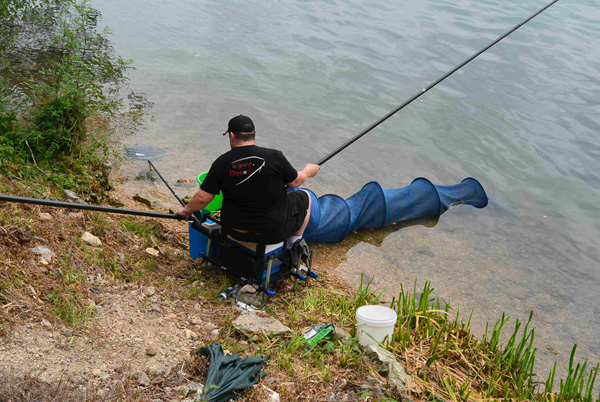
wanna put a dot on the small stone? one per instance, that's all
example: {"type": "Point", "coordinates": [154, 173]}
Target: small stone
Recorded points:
{"type": "Point", "coordinates": [72, 197]}
{"type": "Point", "coordinates": [144, 379]}
{"type": "Point", "coordinates": [196, 321]}
{"type": "Point", "coordinates": [46, 323]}
{"type": "Point", "coordinates": [44, 216]}
{"type": "Point", "coordinates": [183, 180]}
{"type": "Point", "coordinates": [388, 366]}
{"type": "Point", "coordinates": [160, 370]}
{"type": "Point", "coordinates": [210, 326]}
{"type": "Point", "coordinates": [189, 390]}
{"type": "Point", "coordinates": [341, 334]}
{"type": "Point", "coordinates": [152, 251]}
{"type": "Point", "coordinates": [104, 376]}
{"type": "Point", "coordinates": [273, 396]}
{"type": "Point", "coordinates": [44, 253]}
{"type": "Point", "coordinates": [188, 333]}
{"type": "Point", "coordinates": [91, 240]}
{"type": "Point", "coordinates": [23, 233]}
{"type": "Point", "coordinates": [259, 322]}
{"type": "Point", "coordinates": [373, 391]}
{"type": "Point", "coordinates": [249, 289]}
{"type": "Point", "coordinates": [75, 215]}
{"type": "Point", "coordinates": [96, 372]}
{"type": "Point", "coordinates": [151, 350]}
{"type": "Point", "coordinates": [214, 334]}
{"type": "Point", "coordinates": [150, 291]}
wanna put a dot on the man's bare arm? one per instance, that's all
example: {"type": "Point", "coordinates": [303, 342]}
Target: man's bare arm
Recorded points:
{"type": "Point", "coordinates": [309, 170]}
{"type": "Point", "coordinates": [200, 200]}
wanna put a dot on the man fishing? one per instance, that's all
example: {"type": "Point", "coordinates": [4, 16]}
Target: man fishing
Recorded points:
{"type": "Point", "coordinates": [256, 206]}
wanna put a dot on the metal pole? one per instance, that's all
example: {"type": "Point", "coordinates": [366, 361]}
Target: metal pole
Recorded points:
{"type": "Point", "coordinates": [426, 89]}
{"type": "Point", "coordinates": [86, 207]}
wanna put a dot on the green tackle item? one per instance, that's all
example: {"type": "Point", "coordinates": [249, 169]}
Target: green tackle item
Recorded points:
{"type": "Point", "coordinates": [317, 332]}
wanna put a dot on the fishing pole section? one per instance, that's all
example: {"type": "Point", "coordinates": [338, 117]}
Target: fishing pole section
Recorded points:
{"type": "Point", "coordinates": [426, 89]}
{"type": "Point", "coordinates": [199, 216]}
{"type": "Point", "coordinates": [86, 207]}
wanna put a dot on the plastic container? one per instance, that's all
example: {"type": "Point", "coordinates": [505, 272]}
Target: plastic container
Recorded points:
{"type": "Point", "coordinates": [217, 202]}
{"type": "Point", "coordinates": [376, 321]}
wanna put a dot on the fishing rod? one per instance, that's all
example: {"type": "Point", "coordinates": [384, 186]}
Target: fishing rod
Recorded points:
{"type": "Point", "coordinates": [87, 207]}
{"type": "Point", "coordinates": [426, 89]}
{"type": "Point", "coordinates": [194, 217]}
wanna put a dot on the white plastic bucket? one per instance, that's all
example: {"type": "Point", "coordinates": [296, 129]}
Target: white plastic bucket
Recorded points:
{"type": "Point", "coordinates": [377, 321]}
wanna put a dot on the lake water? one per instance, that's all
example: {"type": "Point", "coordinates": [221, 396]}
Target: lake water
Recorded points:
{"type": "Point", "coordinates": [523, 119]}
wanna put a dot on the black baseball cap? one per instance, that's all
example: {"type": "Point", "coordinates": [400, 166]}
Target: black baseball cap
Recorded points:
{"type": "Point", "coordinates": [240, 124]}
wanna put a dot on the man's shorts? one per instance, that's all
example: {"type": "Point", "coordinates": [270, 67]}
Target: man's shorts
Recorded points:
{"type": "Point", "coordinates": [292, 218]}
{"type": "Point", "coordinates": [296, 209]}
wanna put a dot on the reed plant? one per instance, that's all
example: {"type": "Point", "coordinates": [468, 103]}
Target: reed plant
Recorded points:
{"type": "Point", "coordinates": [450, 362]}
{"type": "Point", "coordinates": [437, 346]}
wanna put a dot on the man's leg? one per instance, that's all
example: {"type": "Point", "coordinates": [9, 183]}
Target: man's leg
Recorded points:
{"type": "Point", "coordinates": [298, 233]}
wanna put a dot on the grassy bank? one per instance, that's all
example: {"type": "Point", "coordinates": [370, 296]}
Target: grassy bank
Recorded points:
{"type": "Point", "coordinates": [444, 359]}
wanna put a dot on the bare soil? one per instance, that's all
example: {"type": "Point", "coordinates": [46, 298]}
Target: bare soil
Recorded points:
{"type": "Point", "coordinates": [140, 342]}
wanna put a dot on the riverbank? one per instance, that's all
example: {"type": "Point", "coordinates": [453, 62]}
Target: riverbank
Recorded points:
{"type": "Point", "coordinates": [122, 320]}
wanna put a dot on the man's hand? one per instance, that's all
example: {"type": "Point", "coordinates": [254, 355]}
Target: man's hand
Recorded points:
{"type": "Point", "coordinates": [200, 200]}
{"type": "Point", "coordinates": [185, 212]}
{"type": "Point", "coordinates": [311, 170]}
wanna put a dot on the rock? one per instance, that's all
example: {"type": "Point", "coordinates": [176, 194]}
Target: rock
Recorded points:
{"type": "Point", "coordinates": [341, 334]}
{"type": "Point", "coordinates": [75, 215]}
{"type": "Point", "coordinates": [160, 370]}
{"type": "Point", "coordinates": [152, 251]}
{"type": "Point", "coordinates": [375, 392]}
{"type": "Point", "coordinates": [196, 321]}
{"type": "Point", "coordinates": [189, 334]}
{"type": "Point", "coordinates": [258, 322]}
{"type": "Point", "coordinates": [193, 389]}
{"type": "Point", "coordinates": [114, 202]}
{"type": "Point", "coordinates": [249, 289]}
{"type": "Point", "coordinates": [214, 334]}
{"type": "Point", "coordinates": [183, 180]}
{"type": "Point", "coordinates": [338, 397]}
{"type": "Point", "coordinates": [273, 396]}
{"type": "Point", "coordinates": [149, 291]}
{"type": "Point", "coordinates": [144, 379]}
{"type": "Point", "coordinates": [386, 364]}
{"type": "Point", "coordinates": [44, 253]}
{"type": "Point", "coordinates": [107, 167]}
{"type": "Point", "coordinates": [44, 216]}
{"type": "Point", "coordinates": [151, 350]}
{"type": "Point", "coordinates": [96, 372]}
{"type": "Point", "coordinates": [46, 323]}
{"type": "Point", "coordinates": [91, 240]}
{"type": "Point", "coordinates": [72, 197]}
{"type": "Point", "coordinates": [147, 200]}
{"type": "Point", "coordinates": [23, 233]}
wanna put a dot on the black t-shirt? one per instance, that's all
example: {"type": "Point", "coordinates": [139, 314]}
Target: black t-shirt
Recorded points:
{"type": "Point", "coordinates": [252, 180]}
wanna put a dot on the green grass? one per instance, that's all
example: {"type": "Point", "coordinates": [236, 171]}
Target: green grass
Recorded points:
{"type": "Point", "coordinates": [68, 306]}
{"type": "Point", "coordinates": [141, 229]}
{"type": "Point", "coordinates": [446, 359]}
